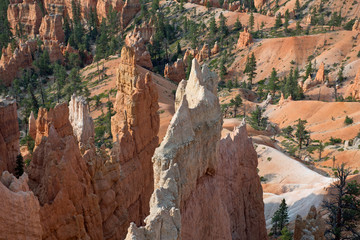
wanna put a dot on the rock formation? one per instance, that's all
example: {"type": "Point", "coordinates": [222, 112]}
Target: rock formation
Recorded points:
{"type": "Point", "coordinates": [12, 62]}
{"type": "Point", "coordinates": [135, 40]}
{"type": "Point", "coordinates": [189, 54]}
{"type": "Point", "coordinates": [356, 26]}
{"type": "Point", "coordinates": [51, 28]}
{"type": "Point", "coordinates": [354, 89]}
{"type": "Point", "coordinates": [25, 15]}
{"type": "Point", "coordinates": [9, 135]}
{"type": "Point", "coordinates": [54, 50]}
{"type": "Point", "coordinates": [124, 183]}
{"type": "Point", "coordinates": [204, 53]}
{"type": "Point", "coordinates": [319, 79]}
{"type": "Point", "coordinates": [60, 180]}
{"type": "Point", "coordinates": [320, 75]}
{"type": "Point", "coordinates": [245, 39]}
{"type": "Point", "coordinates": [175, 72]}
{"type": "Point", "coordinates": [19, 209]}
{"type": "Point", "coordinates": [215, 49]}
{"type": "Point", "coordinates": [191, 200]}
{"type": "Point", "coordinates": [131, 7]}
{"type": "Point", "coordinates": [81, 122]}
{"type": "Point", "coordinates": [313, 227]}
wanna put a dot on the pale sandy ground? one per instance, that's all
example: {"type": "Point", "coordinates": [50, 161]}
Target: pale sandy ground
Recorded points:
{"type": "Point", "coordinates": [325, 119]}
{"type": "Point", "coordinates": [289, 179]}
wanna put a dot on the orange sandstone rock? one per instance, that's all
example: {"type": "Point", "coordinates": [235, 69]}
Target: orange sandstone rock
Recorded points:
{"type": "Point", "coordinates": [51, 28]}
{"type": "Point", "coordinates": [245, 39]}
{"type": "Point", "coordinates": [175, 72]}
{"type": "Point", "coordinates": [312, 227]}
{"type": "Point", "coordinates": [9, 135]}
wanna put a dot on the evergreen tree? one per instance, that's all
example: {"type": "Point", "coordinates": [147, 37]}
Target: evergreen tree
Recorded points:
{"type": "Point", "coordinates": [43, 64]}
{"type": "Point", "coordinates": [19, 169]}
{"type": "Point", "coordinates": [236, 102]}
{"type": "Point", "coordinates": [73, 84]}
{"type": "Point", "coordinates": [301, 133]}
{"type": "Point", "coordinates": [308, 70]}
{"type": "Point", "coordinates": [237, 25]}
{"type": "Point", "coordinates": [213, 28]}
{"type": "Point", "coordinates": [285, 234]}
{"type": "Point", "coordinates": [280, 218]}
{"type": "Point", "coordinates": [178, 49]}
{"type": "Point", "coordinates": [67, 29]}
{"type": "Point", "coordinates": [343, 207]}
{"type": "Point", "coordinates": [257, 120]}
{"type": "Point", "coordinates": [298, 28]}
{"type": "Point", "coordinates": [5, 34]}
{"type": "Point", "coordinates": [251, 21]}
{"type": "Point", "coordinates": [222, 25]}
{"type": "Point", "coordinates": [223, 69]}
{"type": "Point", "coordinates": [250, 68]}
{"type": "Point", "coordinates": [340, 76]}
{"type": "Point", "coordinates": [60, 80]}
{"type": "Point", "coordinates": [93, 24]}
{"type": "Point", "coordinates": [229, 84]}
{"type": "Point", "coordinates": [102, 42]}
{"type": "Point", "coordinates": [272, 85]}
{"type": "Point", "coordinates": [286, 21]}
{"type": "Point", "coordinates": [278, 21]}
{"type": "Point", "coordinates": [297, 6]}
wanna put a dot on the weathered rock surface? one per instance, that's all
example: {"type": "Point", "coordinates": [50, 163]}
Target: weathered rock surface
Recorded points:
{"type": "Point", "coordinates": [259, 3]}
{"type": "Point", "coordinates": [19, 209]}
{"type": "Point", "coordinates": [60, 179]}
{"type": "Point", "coordinates": [125, 182]}
{"type": "Point", "coordinates": [313, 227]}
{"type": "Point", "coordinates": [204, 53]}
{"type": "Point", "coordinates": [26, 13]}
{"type": "Point", "coordinates": [356, 26]}
{"type": "Point", "coordinates": [192, 199]}
{"type": "Point", "coordinates": [131, 7]}
{"type": "Point", "coordinates": [354, 89]}
{"type": "Point", "coordinates": [215, 49]}
{"type": "Point", "coordinates": [12, 62]}
{"type": "Point", "coordinates": [9, 135]}
{"type": "Point", "coordinates": [175, 72]}
{"type": "Point", "coordinates": [81, 122]}
{"type": "Point", "coordinates": [245, 39]}
{"type": "Point", "coordinates": [51, 28]}
{"type": "Point", "coordinates": [136, 41]}
{"type": "Point", "coordinates": [319, 78]}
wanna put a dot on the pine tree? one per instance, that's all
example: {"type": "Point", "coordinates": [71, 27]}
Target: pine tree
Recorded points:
{"type": "Point", "coordinates": [93, 24]}
{"type": "Point", "coordinates": [257, 120]}
{"type": "Point", "coordinates": [343, 207]}
{"type": "Point", "coordinates": [286, 21]}
{"type": "Point", "coordinates": [19, 169]}
{"type": "Point", "coordinates": [236, 102]}
{"type": "Point", "coordinates": [250, 68]}
{"type": "Point", "coordinates": [223, 69]}
{"type": "Point", "coordinates": [297, 6]}
{"type": "Point", "coordinates": [237, 25]}
{"type": "Point", "coordinates": [309, 70]}
{"type": "Point", "coordinates": [285, 234]}
{"type": "Point", "coordinates": [298, 28]}
{"type": "Point", "coordinates": [60, 80]}
{"type": "Point", "coordinates": [280, 218]}
{"type": "Point", "coordinates": [301, 133]}
{"type": "Point", "coordinates": [340, 76]}
{"type": "Point", "coordinates": [43, 64]}
{"type": "Point", "coordinates": [213, 28]}
{"type": "Point", "coordinates": [278, 21]}
{"type": "Point", "coordinates": [5, 33]}
{"type": "Point", "coordinates": [222, 25]}
{"type": "Point", "coordinates": [272, 85]}
{"type": "Point", "coordinates": [102, 42]}
{"type": "Point", "coordinates": [251, 21]}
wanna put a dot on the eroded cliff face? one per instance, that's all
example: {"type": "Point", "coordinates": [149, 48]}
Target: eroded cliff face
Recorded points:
{"type": "Point", "coordinates": [175, 72]}
{"type": "Point", "coordinates": [51, 28]}
{"type": "Point", "coordinates": [60, 180]}
{"type": "Point", "coordinates": [194, 198]}
{"type": "Point", "coordinates": [354, 89]}
{"type": "Point", "coordinates": [9, 135]}
{"type": "Point", "coordinates": [25, 15]}
{"type": "Point", "coordinates": [124, 183]}
{"type": "Point", "coordinates": [19, 209]}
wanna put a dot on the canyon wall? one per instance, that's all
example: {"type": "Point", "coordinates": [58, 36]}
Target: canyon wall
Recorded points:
{"type": "Point", "coordinates": [194, 198]}
{"type": "Point", "coordinates": [9, 135]}
{"type": "Point", "coordinates": [59, 178]}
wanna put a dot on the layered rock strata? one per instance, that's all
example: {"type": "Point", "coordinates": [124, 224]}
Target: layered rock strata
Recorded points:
{"type": "Point", "coordinates": [51, 28]}
{"type": "Point", "coordinates": [59, 178]}
{"type": "Point", "coordinates": [194, 195]}
{"type": "Point", "coordinates": [9, 135]}
{"type": "Point", "coordinates": [19, 209]}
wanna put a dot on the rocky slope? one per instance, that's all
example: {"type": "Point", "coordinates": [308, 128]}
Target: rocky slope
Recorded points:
{"type": "Point", "coordinates": [187, 174]}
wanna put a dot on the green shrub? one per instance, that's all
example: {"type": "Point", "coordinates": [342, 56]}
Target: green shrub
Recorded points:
{"type": "Point", "coordinates": [348, 120]}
